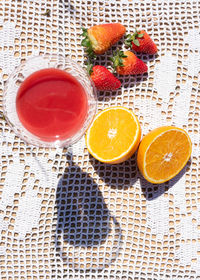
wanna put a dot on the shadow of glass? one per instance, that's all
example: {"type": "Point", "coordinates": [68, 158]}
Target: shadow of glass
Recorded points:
{"type": "Point", "coordinates": [117, 176]}
{"type": "Point", "coordinates": [87, 235]}
{"type": "Point", "coordinates": [153, 191]}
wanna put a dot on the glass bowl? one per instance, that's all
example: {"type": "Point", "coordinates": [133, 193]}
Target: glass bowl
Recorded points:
{"type": "Point", "coordinates": [26, 69]}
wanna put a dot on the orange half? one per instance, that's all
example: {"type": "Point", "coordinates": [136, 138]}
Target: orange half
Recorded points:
{"type": "Point", "coordinates": [114, 135]}
{"type": "Point", "coordinates": [163, 153]}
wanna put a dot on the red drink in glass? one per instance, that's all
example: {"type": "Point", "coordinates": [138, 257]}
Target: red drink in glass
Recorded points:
{"type": "Point", "coordinates": [52, 104]}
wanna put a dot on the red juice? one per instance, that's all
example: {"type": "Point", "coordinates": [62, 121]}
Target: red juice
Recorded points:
{"type": "Point", "coordinates": [52, 104]}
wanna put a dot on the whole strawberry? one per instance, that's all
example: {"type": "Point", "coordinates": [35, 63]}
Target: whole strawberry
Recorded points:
{"type": "Point", "coordinates": [127, 63]}
{"type": "Point", "coordinates": [104, 79]}
{"type": "Point", "coordinates": [99, 38]}
{"type": "Point", "coordinates": [141, 42]}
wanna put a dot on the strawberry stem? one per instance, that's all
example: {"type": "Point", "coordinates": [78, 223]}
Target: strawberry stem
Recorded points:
{"type": "Point", "coordinates": [89, 66]}
{"type": "Point", "coordinates": [133, 38]}
{"type": "Point", "coordinates": [117, 59]}
{"type": "Point", "coordinates": [87, 44]}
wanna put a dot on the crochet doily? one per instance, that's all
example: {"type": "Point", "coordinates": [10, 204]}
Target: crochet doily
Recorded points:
{"type": "Point", "coordinates": [64, 215]}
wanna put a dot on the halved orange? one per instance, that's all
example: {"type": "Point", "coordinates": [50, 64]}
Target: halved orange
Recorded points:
{"type": "Point", "coordinates": [163, 153]}
{"type": "Point", "coordinates": [114, 135]}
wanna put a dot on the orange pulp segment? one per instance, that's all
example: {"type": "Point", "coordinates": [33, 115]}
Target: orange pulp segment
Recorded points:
{"type": "Point", "coordinates": [114, 135]}
{"type": "Point", "coordinates": [163, 153]}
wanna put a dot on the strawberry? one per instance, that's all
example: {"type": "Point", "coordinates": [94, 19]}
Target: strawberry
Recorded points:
{"type": "Point", "coordinates": [104, 79]}
{"type": "Point", "coordinates": [127, 63]}
{"type": "Point", "coordinates": [99, 38]}
{"type": "Point", "coordinates": [141, 42]}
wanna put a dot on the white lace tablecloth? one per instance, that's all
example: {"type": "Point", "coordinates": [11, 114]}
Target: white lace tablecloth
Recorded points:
{"type": "Point", "coordinates": [63, 215]}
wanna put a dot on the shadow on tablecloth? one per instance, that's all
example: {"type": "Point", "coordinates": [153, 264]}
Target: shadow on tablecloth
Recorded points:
{"type": "Point", "coordinates": [87, 235]}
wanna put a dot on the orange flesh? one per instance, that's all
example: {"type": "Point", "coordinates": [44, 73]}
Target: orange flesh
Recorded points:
{"type": "Point", "coordinates": [113, 135]}
{"type": "Point", "coordinates": [167, 155]}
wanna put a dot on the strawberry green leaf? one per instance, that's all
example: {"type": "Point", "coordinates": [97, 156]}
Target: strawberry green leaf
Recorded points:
{"type": "Point", "coordinates": [140, 35]}
{"type": "Point", "coordinates": [84, 34]}
{"type": "Point", "coordinates": [89, 68]}
{"type": "Point", "coordinates": [136, 42]}
{"type": "Point", "coordinates": [128, 43]}
{"type": "Point", "coordinates": [117, 59]}
{"type": "Point", "coordinates": [129, 39]}
{"type": "Point", "coordinates": [132, 38]}
{"type": "Point", "coordinates": [87, 44]}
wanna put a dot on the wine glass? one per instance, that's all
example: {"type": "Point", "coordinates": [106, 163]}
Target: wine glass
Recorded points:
{"type": "Point", "coordinates": [25, 70]}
